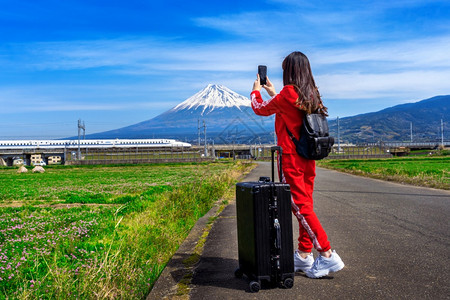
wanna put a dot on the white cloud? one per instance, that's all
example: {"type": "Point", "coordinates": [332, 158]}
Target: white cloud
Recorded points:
{"type": "Point", "coordinates": [249, 24]}
{"type": "Point", "coordinates": [411, 85]}
{"type": "Point", "coordinates": [140, 56]}
{"type": "Point", "coordinates": [56, 106]}
{"type": "Point", "coordinates": [359, 66]}
{"type": "Point", "coordinates": [419, 53]}
{"type": "Point", "coordinates": [60, 98]}
{"type": "Point", "coordinates": [404, 69]}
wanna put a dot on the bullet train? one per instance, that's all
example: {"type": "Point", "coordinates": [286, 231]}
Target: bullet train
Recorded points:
{"type": "Point", "coordinates": [117, 143]}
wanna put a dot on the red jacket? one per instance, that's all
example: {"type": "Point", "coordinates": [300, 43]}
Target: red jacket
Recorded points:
{"type": "Point", "coordinates": [287, 114]}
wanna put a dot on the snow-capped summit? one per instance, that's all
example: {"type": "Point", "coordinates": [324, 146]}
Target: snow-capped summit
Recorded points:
{"type": "Point", "coordinates": [211, 97]}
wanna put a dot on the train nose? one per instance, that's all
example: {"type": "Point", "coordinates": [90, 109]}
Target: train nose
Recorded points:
{"type": "Point", "coordinates": [181, 144]}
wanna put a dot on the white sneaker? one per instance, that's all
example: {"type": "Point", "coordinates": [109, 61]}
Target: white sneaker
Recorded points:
{"type": "Point", "coordinates": [302, 264]}
{"type": "Point", "coordinates": [323, 266]}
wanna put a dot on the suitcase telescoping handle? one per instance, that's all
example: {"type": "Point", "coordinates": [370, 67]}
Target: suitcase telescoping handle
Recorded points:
{"type": "Point", "coordinates": [280, 151]}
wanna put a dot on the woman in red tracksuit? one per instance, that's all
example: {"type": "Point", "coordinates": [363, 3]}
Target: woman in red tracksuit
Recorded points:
{"type": "Point", "coordinates": [298, 96]}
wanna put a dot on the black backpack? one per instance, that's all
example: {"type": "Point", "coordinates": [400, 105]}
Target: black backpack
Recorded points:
{"type": "Point", "coordinates": [315, 142]}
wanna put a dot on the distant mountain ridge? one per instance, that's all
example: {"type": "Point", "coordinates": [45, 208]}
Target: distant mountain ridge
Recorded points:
{"type": "Point", "coordinates": [394, 123]}
{"type": "Point", "coordinates": [229, 118]}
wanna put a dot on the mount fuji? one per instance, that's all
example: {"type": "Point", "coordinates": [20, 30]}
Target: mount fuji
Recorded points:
{"type": "Point", "coordinates": [228, 117]}
{"type": "Point", "coordinates": [211, 97]}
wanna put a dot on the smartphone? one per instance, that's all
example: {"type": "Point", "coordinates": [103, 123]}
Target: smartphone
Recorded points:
{"type": "Point", "coordinates": [262, 71]}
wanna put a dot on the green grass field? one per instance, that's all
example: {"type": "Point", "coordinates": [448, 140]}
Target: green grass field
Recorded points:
{"type": "Point", "coordinates": [97, 184]}
{"type": "Point", "coordinates": [424, 171]}
{"type": "Point", "coordinates": [116, 244]}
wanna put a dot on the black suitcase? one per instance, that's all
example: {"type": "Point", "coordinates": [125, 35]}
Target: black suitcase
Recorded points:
{"type": "Point", "coordinates": [264, 225]}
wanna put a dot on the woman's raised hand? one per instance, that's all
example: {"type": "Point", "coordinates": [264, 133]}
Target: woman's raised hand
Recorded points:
{"type": "Point", "coordinates": [269, 87]}
{"type": "Point", "coordinates": [256, 84]}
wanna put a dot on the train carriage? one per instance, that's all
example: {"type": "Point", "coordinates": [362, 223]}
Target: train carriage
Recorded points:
{"type": "Point", "coordinates": [97, 143]}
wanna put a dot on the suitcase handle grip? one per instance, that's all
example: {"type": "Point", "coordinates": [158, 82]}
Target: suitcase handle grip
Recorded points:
{"type": "Point", "coordinates": [276, 224]}
{"type": "Point", "coordinates": [280, 151]}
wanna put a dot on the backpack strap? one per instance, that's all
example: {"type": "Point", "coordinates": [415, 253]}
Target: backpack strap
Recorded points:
{"type": "Point", "coordinates": [292, 137]}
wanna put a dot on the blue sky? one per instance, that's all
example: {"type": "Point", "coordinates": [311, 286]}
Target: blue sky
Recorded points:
{"type": "Point", "coordinates": [116, 63]}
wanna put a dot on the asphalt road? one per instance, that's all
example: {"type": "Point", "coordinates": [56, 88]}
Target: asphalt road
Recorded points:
{"type": "Point", "coordinates": [393, 239]}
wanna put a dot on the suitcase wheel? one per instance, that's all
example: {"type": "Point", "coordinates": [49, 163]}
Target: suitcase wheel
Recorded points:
{"type": "Point", "coordinates": [288, 283]}
{"type": "Point", "coordinates": [255, 286]}
{"type": "Point", "coordinates": [238, 273]}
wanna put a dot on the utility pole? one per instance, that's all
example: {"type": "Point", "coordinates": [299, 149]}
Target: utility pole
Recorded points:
{"type": "Point", "coordinates": [442, 133]}
{"type": "Point", "coordinates": [339, 135]}
{"type": "Point", "coordinates": [198, 128]}
{"type": "Point", "coordinates": [411, 131]}
{"type": "Point", "coordinates": [80, 126]}
{"type": "Point", "coordinates": [204, 133]}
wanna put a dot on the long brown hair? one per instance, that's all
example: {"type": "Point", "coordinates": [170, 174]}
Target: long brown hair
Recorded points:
{"type": "Point", "coordinates": [297, 72]}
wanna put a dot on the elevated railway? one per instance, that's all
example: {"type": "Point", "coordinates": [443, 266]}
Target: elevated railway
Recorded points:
{"type": "Point", "coordinates": [31, 151]}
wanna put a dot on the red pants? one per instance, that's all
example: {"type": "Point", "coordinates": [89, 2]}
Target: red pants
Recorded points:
{"type": "Point", "coordinates": [299, 173]}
